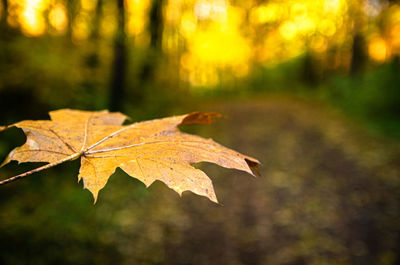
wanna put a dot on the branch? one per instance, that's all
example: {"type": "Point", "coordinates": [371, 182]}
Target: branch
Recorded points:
{"type": "Point", "coordinates": [20, 176]}
{"type": "Point", "coordinates": [3, 128]}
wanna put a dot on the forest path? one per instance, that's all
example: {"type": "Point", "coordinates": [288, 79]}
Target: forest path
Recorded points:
{"type": "Point", "coordinates": [329, 192]}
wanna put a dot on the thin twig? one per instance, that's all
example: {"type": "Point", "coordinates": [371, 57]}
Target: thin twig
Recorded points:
{"type": "Point", "coordinates": [3, 128]}
{"type": "Point", "coordinates": [68, 158]}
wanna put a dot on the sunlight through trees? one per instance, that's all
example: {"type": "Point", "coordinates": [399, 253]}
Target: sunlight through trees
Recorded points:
{"type": "Point", "coordinates": [211, 38]}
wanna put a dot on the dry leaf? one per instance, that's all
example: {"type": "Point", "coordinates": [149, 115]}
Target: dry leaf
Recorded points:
{"type": "Point", "coordinates": [149, 151]}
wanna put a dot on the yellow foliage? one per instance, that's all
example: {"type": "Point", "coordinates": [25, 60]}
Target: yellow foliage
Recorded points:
{"type": "Point", "coordinates": [217, 35]}
{"type": "Point", "coordinates": [31, 19]}
{"type": "Point", "coordinates": [58, 18]}
{"type": "Point", "coordinates": [377, 49]}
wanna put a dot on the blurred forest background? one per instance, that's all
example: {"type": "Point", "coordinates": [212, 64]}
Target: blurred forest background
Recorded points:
{"type": "Point", "coordinates": [312, 89]}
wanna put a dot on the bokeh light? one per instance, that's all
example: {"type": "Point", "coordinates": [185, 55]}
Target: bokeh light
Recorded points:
{"type": "Point", "coordinates": [221, 36]}
{"type": "Point", "coordinates": [58, 18]}
{"type": "Point", "coordinates": [377, 49]}
{"type": "Point", "coordinates": [31, 18]}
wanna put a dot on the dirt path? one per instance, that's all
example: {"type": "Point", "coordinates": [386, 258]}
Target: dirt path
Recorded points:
{"type": "Point", "coordinates": [329, 193]}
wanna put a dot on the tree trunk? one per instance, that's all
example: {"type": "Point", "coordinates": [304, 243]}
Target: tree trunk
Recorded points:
{"type": "Point", "coordinates": [92, 59]}
{"type": "Point", "coordinates": [359, 57]}
{"type": "Point", "coordinates": [72, 7]}
{"type": "Point", "coordinates": [156, 26]}
{"type": "Point", "coordinates": [96, 20]}
{"type": "Point", "coordinates": [309, 71]}
{"type": "Point", "coordinates": [119, 67]}
{"type": "Point", "coordinates": [359, 53]}
{"type": "Point", "coordinates": [4, 14]}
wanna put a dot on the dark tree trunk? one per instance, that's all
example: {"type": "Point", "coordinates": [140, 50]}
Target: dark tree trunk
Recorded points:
{"type": "Point", "coordinates": [7, 33]}
{"type": "Point", "coordinates": [5, 13]}
{"type": "Point", "coordinates": [310, 75]}
{"type": "Point", "coordinates": [72, 8]}
{"type": "Point", "coordinates": [96, 20]}
{"type": "Point", "coordinates": [359, 57]}
{"type": "Point", "coordinates": [156, 26]}
{"type": "Point", "coordinates": [119, 67]}
{"type": "Point", "coordinates": [92, 59]}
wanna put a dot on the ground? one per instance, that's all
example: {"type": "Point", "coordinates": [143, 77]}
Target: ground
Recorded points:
{"type": "Point", "coordinates": [328, 194]}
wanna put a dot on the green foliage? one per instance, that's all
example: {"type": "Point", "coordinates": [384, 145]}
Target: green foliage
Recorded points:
{"type": "Point", "coordinates": [373, 97]}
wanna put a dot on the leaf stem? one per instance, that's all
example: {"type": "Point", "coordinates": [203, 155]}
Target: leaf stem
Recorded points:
{"type": "Point", "coordinates": [68, 158]}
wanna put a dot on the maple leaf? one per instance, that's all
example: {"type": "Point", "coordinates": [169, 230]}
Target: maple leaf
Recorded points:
{"type": "Point", "coordinates": [149, 151]}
